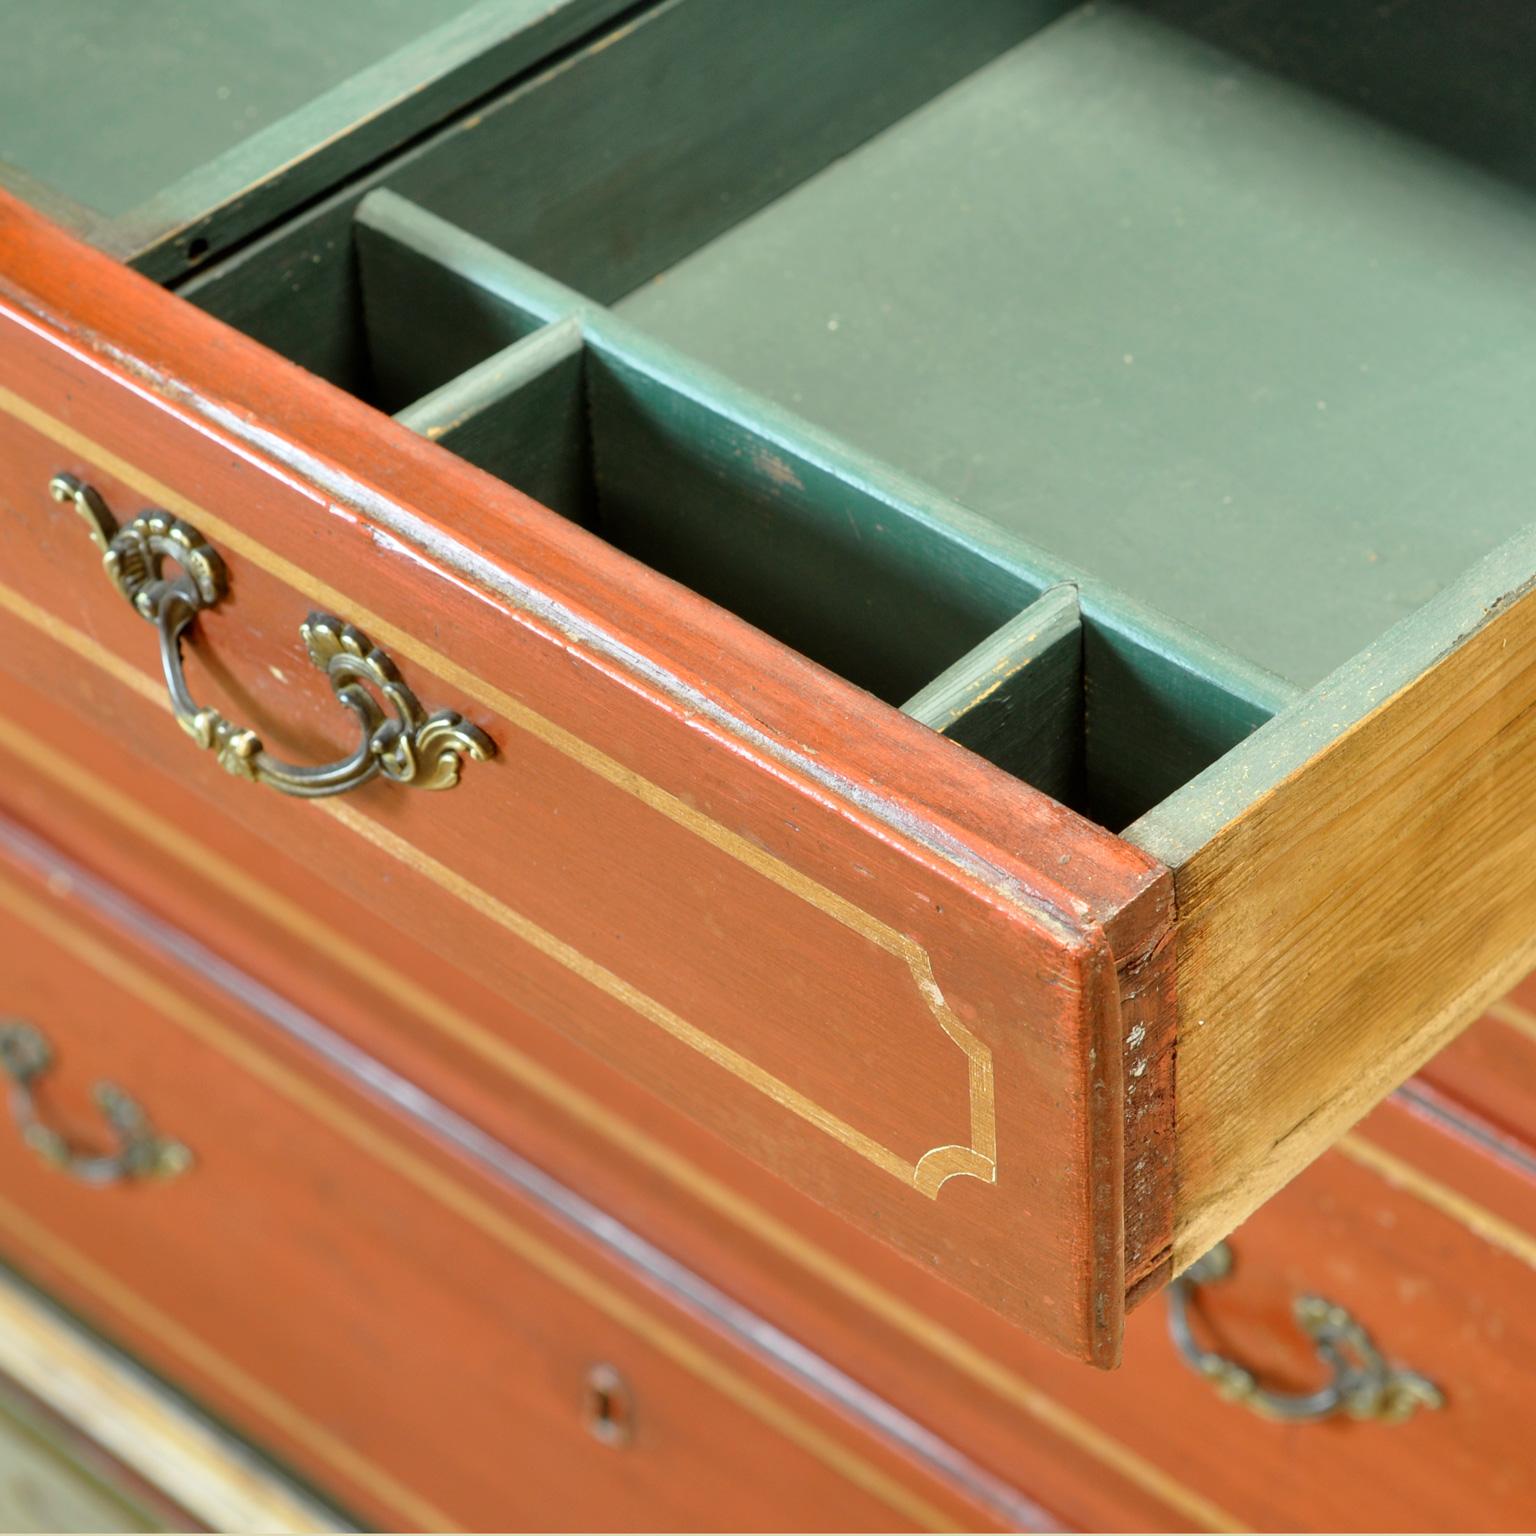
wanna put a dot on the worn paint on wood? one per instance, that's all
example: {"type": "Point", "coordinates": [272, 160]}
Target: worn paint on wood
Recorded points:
{"type": "Point", "coordinates": [896, 1326]}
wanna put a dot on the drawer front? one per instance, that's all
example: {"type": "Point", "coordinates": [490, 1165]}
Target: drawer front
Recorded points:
{"type": "Point", "coordinates": [1489, 1073]}
{"type": "Point", "coordinates": [946, 1362]}
{"type": "Point", "coordinates": [432, 1349]}
{"type": "Point", "coordinates": [836, 940]}
{"type": "Point", "coordinates": [1430, 1244]}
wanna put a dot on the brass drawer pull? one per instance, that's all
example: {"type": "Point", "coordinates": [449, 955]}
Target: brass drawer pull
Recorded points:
{"type": "Point", "coordinates": [403, 742]}
{"type": "Point", "coordinates": [1364, 1386]}
{"type": "Point", "coordinates": [141, 1153]}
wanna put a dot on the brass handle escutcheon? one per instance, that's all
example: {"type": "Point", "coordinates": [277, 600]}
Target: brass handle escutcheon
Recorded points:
{"type": "Point", "coordinates": [1364, 1386]}
{"type": "Point", "coordinates": [402, 742]}
{"type": "Point", "coordinates": [141, 1152]}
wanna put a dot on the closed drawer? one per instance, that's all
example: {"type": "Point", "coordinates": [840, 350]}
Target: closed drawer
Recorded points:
{"type": "Point", "coordinates": [925, 963]}
{"type": "Point", "coordinates": [404, 1328]}
{"type": "Point", "coordinates": [948, 1363]}
{"type": "Point", "coordinates": [1426, 1233]}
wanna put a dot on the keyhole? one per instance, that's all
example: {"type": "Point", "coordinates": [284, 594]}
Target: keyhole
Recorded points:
{"type": "Point", "coordinates": [608, 1408]}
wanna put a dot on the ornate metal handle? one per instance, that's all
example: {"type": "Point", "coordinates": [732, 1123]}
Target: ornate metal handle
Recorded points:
{"type": "Point", "coordinates": [403, 743]}
{"type": "Point", "coordinates": [141, 1153]}
{"type": "Point", "coordinates": [1364, 1386]}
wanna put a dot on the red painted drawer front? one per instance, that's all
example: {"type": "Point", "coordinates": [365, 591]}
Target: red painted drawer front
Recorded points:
{"type": "Point", "coordinates": [949, 1364]}
{"type": "Point", "coordinates": [1402, 1206]}
{"type": "Point", "coordinates": [402, 1328]}
{"type": "Point", "coordinates": [1432, 1246]}
{"type": "Point", "coordinates": [1490, 1072]}
{"type": "Point", "coordinates": [835, 939]}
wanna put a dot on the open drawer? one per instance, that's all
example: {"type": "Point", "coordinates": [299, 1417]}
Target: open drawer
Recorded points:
{"type": "Point", "coordinates": [1036, 805]}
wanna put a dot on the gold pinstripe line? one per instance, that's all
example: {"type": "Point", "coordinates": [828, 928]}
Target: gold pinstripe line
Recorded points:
{"type": "Point", "coordinates": [130, 1305]}
{"type": "Point", "coordinates": [453, 1195]}
{"type": "Point", "coordinates": [1477, 1219]}
{"type": "Point", "coordinates": [1519, 1019]}
{"type": "Point", "coordinates": [976, 1160]}
{"type": "Point", "coordinates": [379, 975]}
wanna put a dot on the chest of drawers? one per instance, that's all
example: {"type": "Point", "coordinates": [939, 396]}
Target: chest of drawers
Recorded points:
{"type": "Point", "coordinates": [892, 638]}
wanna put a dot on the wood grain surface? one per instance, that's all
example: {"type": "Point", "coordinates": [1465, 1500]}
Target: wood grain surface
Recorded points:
{"type": "Point", "coordinates": [1357, 912]}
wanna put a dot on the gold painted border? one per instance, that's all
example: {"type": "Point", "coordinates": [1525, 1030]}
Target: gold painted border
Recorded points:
{"type": "Point", "coordinates": [454, 1195]}
{"type": "Point", "coordinates": [957, 1352]}
{"type": "Point", "coordinates": [914, 1323]}
{"type": "Point", "coordinates": [977, 1160]}
{"type": "Point", "coordinates": [1519, 1019]}
{"type": "Point", "coordinates": [927, 1175]}
{"type": "Point", "coordinates": [1476, 1218]}
{"type": "Point", "coordinates": [376, 973]}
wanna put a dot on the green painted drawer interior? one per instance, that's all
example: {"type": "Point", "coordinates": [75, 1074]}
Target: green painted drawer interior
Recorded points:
{"type": "Point", "coordinates": [881, 323]}
{"type": "Point", "coordinates": [1231, 344]}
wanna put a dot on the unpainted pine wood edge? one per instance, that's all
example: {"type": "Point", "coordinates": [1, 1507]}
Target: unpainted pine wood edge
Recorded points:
{"type": "Point", "coordinates": [1103, 1099]}
{"type": "Point", "coordinates": [194, 1462]}
{"type": "Point", "coordinates": [438, 414]}
{"type": "Point", "coordinates": [1147, 1044]}
{"type": "Point", "coordinates": [360, 119]}
{"type": "Point", "coordinates": [1236, 1143]}
{"type": "Point", "coordinates": [1175, 831]}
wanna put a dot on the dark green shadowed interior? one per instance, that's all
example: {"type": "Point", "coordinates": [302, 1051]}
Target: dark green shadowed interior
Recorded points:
{"type": "Point", "coordinates": [1088, 383]}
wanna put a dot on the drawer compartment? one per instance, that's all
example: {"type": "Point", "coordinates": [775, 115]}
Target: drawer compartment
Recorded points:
{"type": "Point", "coordinates": [435, 1344]}
{"type": "Point", "coordinates": [879, 884]}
